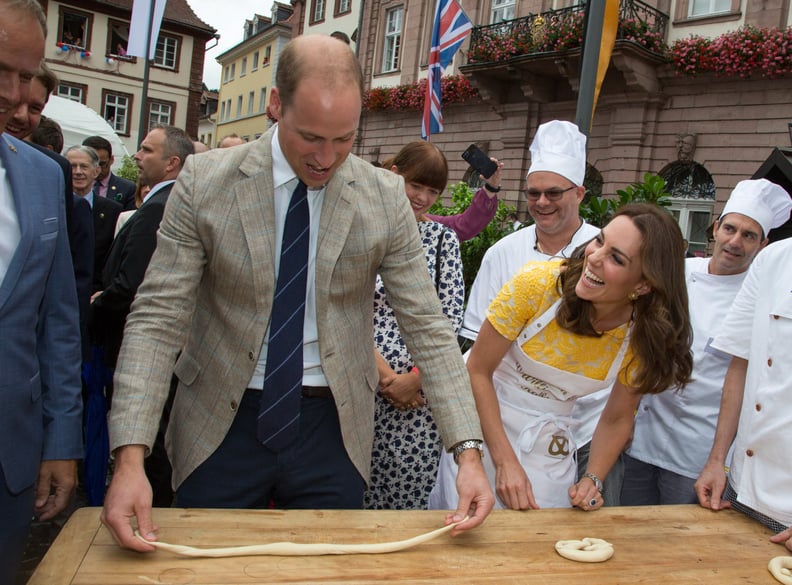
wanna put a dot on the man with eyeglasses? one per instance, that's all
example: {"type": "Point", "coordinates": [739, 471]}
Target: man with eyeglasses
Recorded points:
{"type": "Point", "coordinates": [107, 184]}
{"type": "Point", "coordinates": [554, 190]}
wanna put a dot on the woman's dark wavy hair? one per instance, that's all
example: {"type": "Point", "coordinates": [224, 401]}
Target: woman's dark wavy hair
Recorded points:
{"type": "Point", "coordinates": [421, 162]}
{"type": "Point", "coordinates": [661, 335]}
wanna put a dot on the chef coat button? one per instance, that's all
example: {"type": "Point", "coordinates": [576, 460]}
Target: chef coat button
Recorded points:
{"type": "Point", "coordinates": [775, 316]}
{"type": "Point", "coordinates": [758, 407]}
{"type": "Point", "coordinates": [251, 356]}
{"type": "Point", "coordinates": [749, 452]}
{"type": "Point", "coordinates": [234, 405]}
{"type": "Point", "coordinates": [770, 362]}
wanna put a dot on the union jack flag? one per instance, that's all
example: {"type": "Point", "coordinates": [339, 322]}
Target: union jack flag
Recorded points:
{"type": "Point", "coordinates": [451, 27]}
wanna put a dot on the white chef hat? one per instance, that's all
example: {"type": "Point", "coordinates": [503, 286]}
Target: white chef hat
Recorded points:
{"type": "Point", "coordinates": [559, 147]}
{"type": "Point", "coordinates": [766, 203]}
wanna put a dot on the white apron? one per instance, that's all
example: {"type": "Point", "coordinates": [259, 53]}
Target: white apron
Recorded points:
{"type": "Point", "coordinates": [536, 403]}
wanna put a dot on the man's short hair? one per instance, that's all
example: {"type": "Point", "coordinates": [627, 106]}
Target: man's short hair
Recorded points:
{"type": "Point", "coordinates": [99, 143]}
{"type": "Point", "coordinates": [47, 78]}
{"type": "Point", "coordinates": [87, 150]}
{"type": "Point", "coordinates": [31, 7]}
{"type": "Point", "coordinates": [177, 142]}
{"type": "Point", "coordinates": [294, 66]}
{"type": "Point", "coordinates": [48, 134]}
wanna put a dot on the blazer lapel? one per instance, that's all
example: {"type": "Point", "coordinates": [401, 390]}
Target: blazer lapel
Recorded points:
{"type": "Point", "coordinates": [255, 199]}
{"type": "Point", "coordinates": [17, 176]}
{"type": "Point", "coordinates": [334, 227]}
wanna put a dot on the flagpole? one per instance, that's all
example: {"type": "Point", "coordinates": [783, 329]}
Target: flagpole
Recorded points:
{"type": "Point", "coordinates": [595, 17]}
{"type": "Point", "coordinates": [142, 124]}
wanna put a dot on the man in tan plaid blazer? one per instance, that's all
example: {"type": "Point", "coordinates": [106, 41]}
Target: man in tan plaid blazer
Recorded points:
{"type": "Point", "coordinates": [209, 292]}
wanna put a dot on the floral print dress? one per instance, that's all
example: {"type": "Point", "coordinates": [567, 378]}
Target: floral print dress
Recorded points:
{"type": "Point", "coordinates": [407, 444]}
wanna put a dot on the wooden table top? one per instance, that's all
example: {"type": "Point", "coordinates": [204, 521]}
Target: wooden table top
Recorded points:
{"type": "Point", "coordinates": [662, 544]}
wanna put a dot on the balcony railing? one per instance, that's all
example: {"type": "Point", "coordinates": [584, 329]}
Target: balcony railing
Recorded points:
{"type": "Point", "coordinates": [561, 30]}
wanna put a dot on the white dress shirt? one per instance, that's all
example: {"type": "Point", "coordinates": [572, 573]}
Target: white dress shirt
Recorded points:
{"type": "Point", "coordinates": [284, 181]}
{"type": "Point", "coordinates": [9, 224]}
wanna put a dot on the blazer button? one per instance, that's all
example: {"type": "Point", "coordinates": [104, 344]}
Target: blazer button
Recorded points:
{"type": "Point", "coordinates": [758, 407]}
{"type": "Point", "coordinates": [775, 316]}
{"type": "Point", "coordinates": [770, 362]}
{"type": "Point", "coordinates": [234, 405]}
{"type": "Point", "coordinates": [251, 357]}
{"type": "Point", "coordinates": [749, 452]}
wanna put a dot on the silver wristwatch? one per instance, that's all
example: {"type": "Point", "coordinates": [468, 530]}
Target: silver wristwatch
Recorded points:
{"type": "Point", "coordinates": [597, 481]}
{"type": "Point", "coordinates": [465, 445]}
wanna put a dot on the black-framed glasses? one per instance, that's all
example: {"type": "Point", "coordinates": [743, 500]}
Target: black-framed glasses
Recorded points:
{"type": "Point", "coordinates": [551, 194]}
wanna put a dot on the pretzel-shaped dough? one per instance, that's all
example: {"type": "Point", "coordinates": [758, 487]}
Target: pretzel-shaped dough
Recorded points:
{"type": "Point", "coordinates": [781, 569]}
{"type": "Point", "coordinates": [292, 549]}
{"type": "Point", "coordinates": [588, 550]}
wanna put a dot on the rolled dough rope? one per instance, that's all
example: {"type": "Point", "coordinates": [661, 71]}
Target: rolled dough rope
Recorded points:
{"type": "Point", "coordinates": [292, 549]}
{"type": "Point", "coordinates": [588, 550]}
{"type": "Point", "coordinates": [781, 569]}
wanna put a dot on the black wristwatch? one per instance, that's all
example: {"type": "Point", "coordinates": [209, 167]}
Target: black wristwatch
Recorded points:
{"type": "Point", "coordinates": [465, 445]}
{"type": "Point", "coordinates": [491, 189]}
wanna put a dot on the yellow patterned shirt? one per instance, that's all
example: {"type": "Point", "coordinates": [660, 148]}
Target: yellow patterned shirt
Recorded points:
{"type": "Point", "coordinates": [530, 293]}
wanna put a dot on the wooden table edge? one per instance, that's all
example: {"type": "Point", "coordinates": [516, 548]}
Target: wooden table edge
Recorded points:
{"type": "Point", "coordinates": [60, 565]}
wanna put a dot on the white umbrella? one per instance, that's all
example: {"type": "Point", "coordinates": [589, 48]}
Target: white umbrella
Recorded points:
{"type": "Point", "coordinates": [78, 121]}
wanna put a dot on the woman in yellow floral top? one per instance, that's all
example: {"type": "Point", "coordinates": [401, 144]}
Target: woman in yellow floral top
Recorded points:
{"type": "Point", "coordinates": [615, 312]}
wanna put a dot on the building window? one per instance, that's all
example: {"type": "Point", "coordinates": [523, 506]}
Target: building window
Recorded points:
{"type": "Point", "coordinates": [255, 61]}
{"type": "Point", "coordinates": [243, 67]}
{"type": "Point", "coordinates": [222, 112]}
{"type": "Point", "coordinates": [233, 72]}
{"type": "Point", "coordinates": [72, 91]}
{"type": "Point", "coordinates": [251, 100]}
{"type": "Point", "coordinates": [709, 7]}
{"type": "Point", "coordinates": [694, 218]}
{"type": "Point", "coordinates": [117, 38]}
{"type": "Point", "coordinates": [263, 100]}
{"type": "Point", "coordinates": [317, 11]}
{"type": "Point", "coordinates": [74, 28]}
{"type": "Point", "coordinates": [342, 7]}
{"type": "Point", "coordinates": [160, 113]}
{"type": "Point", "coordinates": [392, 45]}
{"type": "Point", "coordinates": [167, 52]}
{"type": "Point", "coordinates": [695, 10]}
{"type": "Point", "coordinates": [116, 108]}
{"type": "Point", "coordinates": [267, 53]}
{"type": "Point", "coordinates": [239, 106]}
{"type": "Point", "coordinates": [502, 10]}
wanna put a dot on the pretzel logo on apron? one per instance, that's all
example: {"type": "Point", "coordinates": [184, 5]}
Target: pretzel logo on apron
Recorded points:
{"type": "Point", "coordinates": [559, 446]}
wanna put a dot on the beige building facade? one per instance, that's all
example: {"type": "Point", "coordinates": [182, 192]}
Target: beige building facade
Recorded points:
{"type": "Point", "coordinates": [248, 74]}
{"type": "Point", "coordinates": [86, 47]}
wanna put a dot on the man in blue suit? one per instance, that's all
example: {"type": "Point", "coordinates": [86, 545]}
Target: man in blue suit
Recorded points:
{"type": "Point", "coordinates": [41, 418]}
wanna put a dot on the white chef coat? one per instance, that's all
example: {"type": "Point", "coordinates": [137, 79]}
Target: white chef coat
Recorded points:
{"type": "Point", "coordinates": [502, 261]}
{"type": "Point", "coordinates": [759, 329]}
{"type": "Point", "coordinates": [674, 430]}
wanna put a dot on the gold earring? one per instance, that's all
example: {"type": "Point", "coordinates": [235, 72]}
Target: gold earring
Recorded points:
{"type": "Point", "coordinates": [633, 296]}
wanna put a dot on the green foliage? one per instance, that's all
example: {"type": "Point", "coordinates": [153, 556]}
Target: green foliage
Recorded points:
{"type": "Point", "coordinates": [128, 169]}
{"type": "Point", "coordinates": [473, 250]}
{"type": "Point", "coordinates": [598, 210]}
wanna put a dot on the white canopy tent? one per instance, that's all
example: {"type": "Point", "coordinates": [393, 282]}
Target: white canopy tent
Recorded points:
{"type": "Point", "coordinates": [78, 121]}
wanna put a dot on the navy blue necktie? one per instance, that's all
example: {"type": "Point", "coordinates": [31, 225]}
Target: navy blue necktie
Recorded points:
{"type": "Point", "coordinates": [279, 412]}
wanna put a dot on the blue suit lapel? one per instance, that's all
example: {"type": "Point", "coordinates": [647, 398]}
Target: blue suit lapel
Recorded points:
{"type": "Point", "coordinates": [19, 177]}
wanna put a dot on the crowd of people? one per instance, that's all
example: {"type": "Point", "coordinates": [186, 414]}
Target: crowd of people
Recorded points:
{"type": "Point", "coordinates": [284, 315]}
